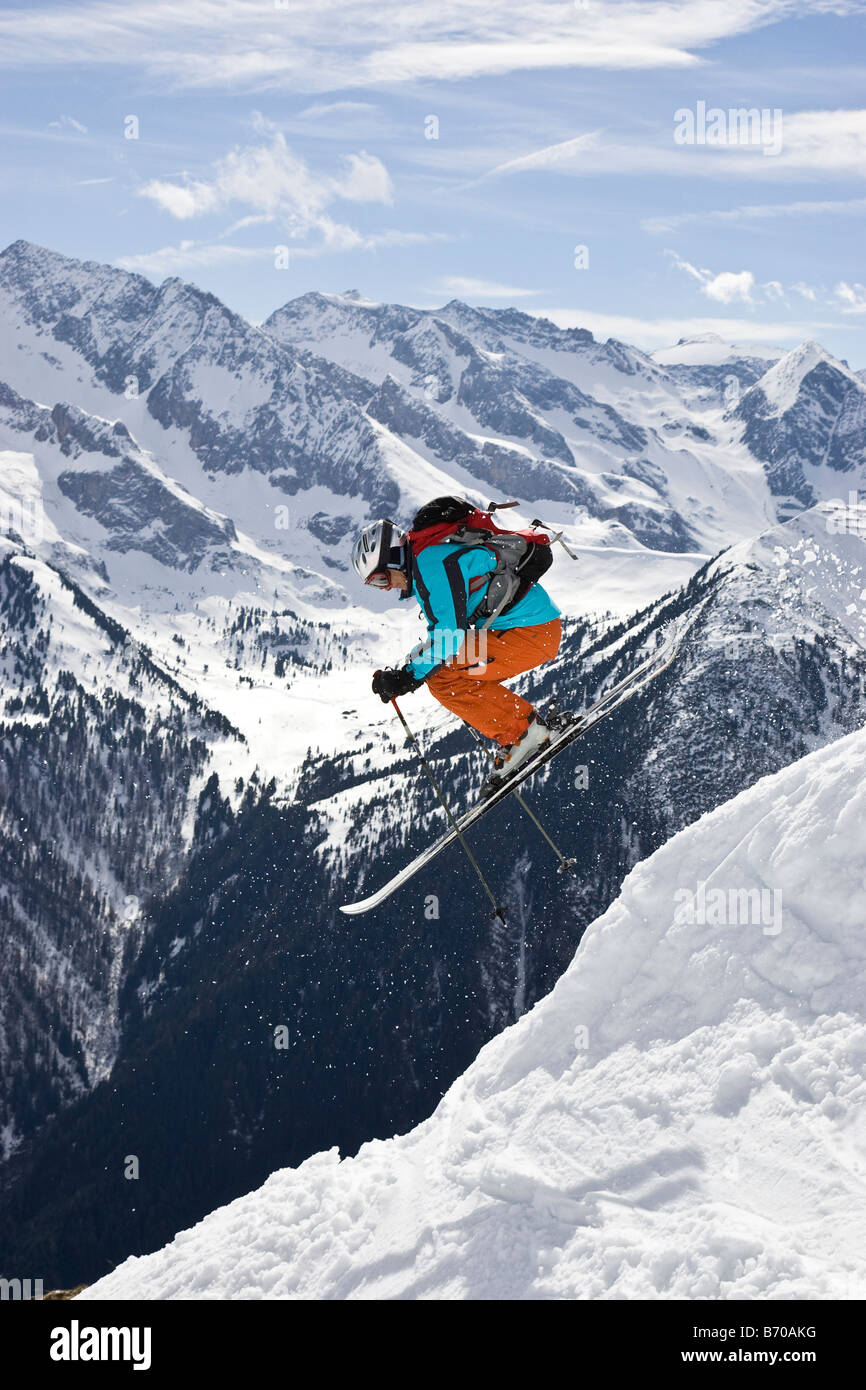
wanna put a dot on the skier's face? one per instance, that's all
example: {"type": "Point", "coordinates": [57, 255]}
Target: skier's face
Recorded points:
{"type": "Point", "coordinates": [389, 579]}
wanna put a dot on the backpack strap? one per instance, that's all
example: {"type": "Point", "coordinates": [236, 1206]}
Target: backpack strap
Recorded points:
{"type": "Point", "coordinates": [522, 557]}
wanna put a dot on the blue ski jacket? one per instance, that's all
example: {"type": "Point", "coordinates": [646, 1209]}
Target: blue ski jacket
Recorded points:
{"type": "Point", "coordinates": [450, 587]}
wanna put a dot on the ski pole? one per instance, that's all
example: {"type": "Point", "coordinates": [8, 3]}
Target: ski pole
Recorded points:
{"type": "Point", "coordinates": [497, 910]}
{"type": "Point", "coordinates": [566, 866]}
{"type": "Point", "coordinates": [558, 537]}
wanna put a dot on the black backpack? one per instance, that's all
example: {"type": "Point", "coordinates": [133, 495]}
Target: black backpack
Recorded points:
{"type": "Point", "coordinates": [522, 557]}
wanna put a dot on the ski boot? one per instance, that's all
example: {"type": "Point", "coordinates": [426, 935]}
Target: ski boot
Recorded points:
{"type": "Point", "coordinates": [509, 759]}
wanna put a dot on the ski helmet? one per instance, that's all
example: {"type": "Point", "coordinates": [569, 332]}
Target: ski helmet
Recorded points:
{"type": "Point", "coordinates": [379, 547]}
{"type": "Point", "coordinates": [442, 509]}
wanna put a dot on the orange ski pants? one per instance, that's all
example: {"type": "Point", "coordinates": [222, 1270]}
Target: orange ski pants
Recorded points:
{"type": "Point", "coordinates": [470, 684]}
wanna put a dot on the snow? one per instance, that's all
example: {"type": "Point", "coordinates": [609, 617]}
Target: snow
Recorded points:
{"type": "Point", "coordinates": [712, 482]}
{"type": "Point", "coordinates": [711, 350]}
{"type": "Point", "coordinates": [353, 297]}
{"type": "Point", "coordinates": [692, 461]}
{"type": "Point", "coordinates": [682, 1118]}
{"type": "Point", "coordinates": [819, 563]}
{"type": "Point", "coordinates": [781, 384]}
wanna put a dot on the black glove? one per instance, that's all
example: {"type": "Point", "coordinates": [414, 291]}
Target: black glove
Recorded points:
{"type": "Point", "coordinates": [390, 683]}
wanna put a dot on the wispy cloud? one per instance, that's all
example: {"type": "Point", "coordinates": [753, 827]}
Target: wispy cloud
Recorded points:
{"type": "Point", "coordinates": [731, 287]}
{"type": "Point", "coordinates": [341, 238]}
{"type": "Point", "coordinates": [318, 110]}
{"type": "Point", "coordinates": [280, 189]}
{"type": "Point", "coordinates": [649, 333]}
{"type": "Point", "coordinates": [198, 255]}
{"type": "Point", "coordinates": [273, 179]}
{"type": "Point", "coordinates": [566, 157]}
{"type": "Point", "coordinates": [276, 184]}
{"type": "Point", "coordinates": [852, 298]}
{"type": "Point", "coordinates": [53, 134]}
{"type": "Point", "coordinates": [817, 144]}
{"type": "Point", "coordinates": [192, 255]}
{"type": "Point", "coordinates": [68, 123]}
{"type": "Point", "coordinates": [840, 207]}
{"type": "Point", "coordinates": [254, 220]}
{"type": "Point", "coordinates": [339, 44]}
{"type": "Point", "coordinates": [465, 287]}
{"type": "Point", "coordinates": [725, 286]}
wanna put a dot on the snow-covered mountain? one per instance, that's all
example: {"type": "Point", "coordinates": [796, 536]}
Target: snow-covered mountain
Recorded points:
{"type": "Point", "coordinates": [683, 1117]}
{"type": "Point", "coordinates": [177, 492]}
{"type": "Point", "coordinates": [707, 369]}
{"type": "Point", "coordinates": [599, 432]}
{"type": "Point", "coordinates": [711, 350]}
{"type": "Point", "coordinates": [337, 409]}
{"type": "Point", "coordinates": [805, 419]}
{"type": "Point", "coordinates": [381, 1014]}
{"type": "Point", "coordinates": [103, 759]}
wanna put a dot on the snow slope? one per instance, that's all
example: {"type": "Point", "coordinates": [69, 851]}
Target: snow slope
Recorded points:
{"type": "Point", "coordinates": [681, 1118]}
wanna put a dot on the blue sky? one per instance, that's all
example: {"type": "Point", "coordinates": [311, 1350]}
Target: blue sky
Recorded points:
{"type": "Point", "coordinates": [264, 125]}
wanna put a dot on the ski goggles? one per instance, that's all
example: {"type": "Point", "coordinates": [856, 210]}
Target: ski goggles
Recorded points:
{"type": "Point", "coordinates": [390, 557]}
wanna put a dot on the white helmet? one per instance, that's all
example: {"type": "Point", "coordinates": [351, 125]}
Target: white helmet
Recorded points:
{"type": "Point", "coordinates": [379, 547]}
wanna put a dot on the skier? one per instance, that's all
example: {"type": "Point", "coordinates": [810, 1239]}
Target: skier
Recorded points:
{"type": "Point", "coordinates": [488, 619]}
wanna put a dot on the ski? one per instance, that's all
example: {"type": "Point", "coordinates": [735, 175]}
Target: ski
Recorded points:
{"type": "Point", "coordinates": [636, 680]}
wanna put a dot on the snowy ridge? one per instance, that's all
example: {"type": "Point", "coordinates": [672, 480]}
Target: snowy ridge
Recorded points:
{"type": "Point", "coordinates": [681, 1118]}
{"type": "Point", "coordinates": [805, 419]}
{"type": "Point", "coordinates": [782, 383]}
{"type": "Point", "coordinates": [709, 349]}
{"type": "Point", "coordinates": [817, 565]}
{"type": "Point", "coordinates": [339, 408]}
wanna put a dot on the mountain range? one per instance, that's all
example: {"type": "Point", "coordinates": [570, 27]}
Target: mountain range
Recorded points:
{"type": "Point", "coordinates": [195, 773]}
